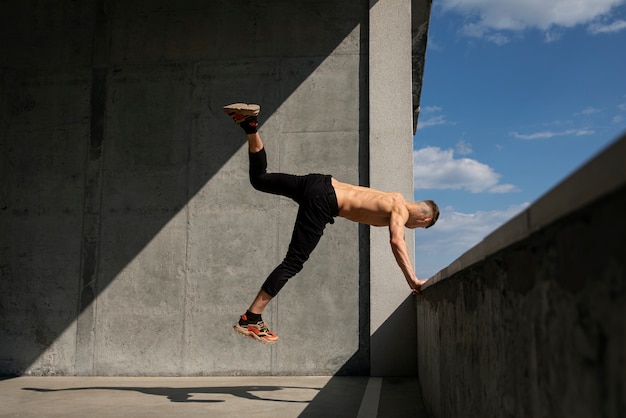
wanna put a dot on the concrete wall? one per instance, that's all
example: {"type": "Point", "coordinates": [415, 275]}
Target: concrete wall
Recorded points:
{"type": "Point", "coordinates": [532, 321]}
{"type": "Point", "coordinates": [130, 238]}
{"type": "Point", "coordinates": [390, 118]}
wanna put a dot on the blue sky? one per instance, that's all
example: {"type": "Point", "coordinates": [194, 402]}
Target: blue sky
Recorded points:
{"type": "Point", "coordinates": [516, 96]}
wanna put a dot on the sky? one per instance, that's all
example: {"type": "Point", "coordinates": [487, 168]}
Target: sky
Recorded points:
{"type": "Point", "coordinates": [516, 96]}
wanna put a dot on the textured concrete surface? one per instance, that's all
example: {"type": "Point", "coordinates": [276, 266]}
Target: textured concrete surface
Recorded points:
{"type": "Point", "coordinates": [283, 397]}
{"type": "Point", "coordinates": [128, 231]}
{"type": "Point", "coordinates": [390, 118]}
{"type": "Point", "coordinates": [537, 326]}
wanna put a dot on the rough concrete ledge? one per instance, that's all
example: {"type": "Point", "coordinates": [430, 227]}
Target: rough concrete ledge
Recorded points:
{"type": "Point", "coordinates": [601, 175]}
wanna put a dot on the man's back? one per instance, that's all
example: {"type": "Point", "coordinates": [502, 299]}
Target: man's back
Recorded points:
{"type": "Point", "coordinates": [365, 205]}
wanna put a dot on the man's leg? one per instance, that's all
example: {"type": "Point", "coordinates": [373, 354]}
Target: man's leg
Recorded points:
{"type": "Point", "coordinates": [307, 232]}
{"type": "Point", "coordinates": [254, 142]}
{"type": "Point", "coordinates": [305, 237]}
{"type": "Point", "coordinates": [260, 302]}
{"type": "Point", "coordinates": [303, 242]}
{"type": "Point", "coordinates": [262, 299]}
{"type": "Point", "coordinates": [288, 185]}
{"type": "Point", "coordinates": [251, 323]}
{"type": "Point", "coordinates": [276, 183]}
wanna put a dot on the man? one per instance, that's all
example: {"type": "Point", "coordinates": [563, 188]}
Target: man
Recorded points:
{"type": "Point", "coordinates": [320, 199]}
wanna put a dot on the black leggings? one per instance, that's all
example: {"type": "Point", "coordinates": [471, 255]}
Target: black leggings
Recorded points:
{"type": "Point", "coordinates": [317, 202]}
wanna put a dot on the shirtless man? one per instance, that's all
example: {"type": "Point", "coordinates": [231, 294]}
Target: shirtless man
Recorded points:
{"type": "Point", "coordinates": [320, 199]}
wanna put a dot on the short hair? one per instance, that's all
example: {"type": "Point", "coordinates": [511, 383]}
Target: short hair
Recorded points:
{"type": "Point", "coordinates": [434, 210]}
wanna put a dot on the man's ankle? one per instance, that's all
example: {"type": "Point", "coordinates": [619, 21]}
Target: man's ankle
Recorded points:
{"type": "Point", "coordinates": [249, 125]}
{"type": "Point", "coordinates": [253, 317]}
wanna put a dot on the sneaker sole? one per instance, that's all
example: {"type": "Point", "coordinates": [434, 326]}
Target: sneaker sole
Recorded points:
{"type": "Point", "coordinates": [244, 109]}
{"type": "Point", "coordinates": [245, 332]}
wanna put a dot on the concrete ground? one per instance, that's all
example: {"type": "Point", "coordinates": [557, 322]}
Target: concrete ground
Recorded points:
{"type": "Point", "coordinates": [259, 396]}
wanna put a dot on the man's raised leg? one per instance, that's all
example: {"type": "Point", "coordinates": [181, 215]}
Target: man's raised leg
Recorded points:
{"type": "Point", "coordinates": [254, 142]}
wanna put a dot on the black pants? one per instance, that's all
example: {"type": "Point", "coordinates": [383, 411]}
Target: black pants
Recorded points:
{"type": "Point", "coordinates": [317, 202]}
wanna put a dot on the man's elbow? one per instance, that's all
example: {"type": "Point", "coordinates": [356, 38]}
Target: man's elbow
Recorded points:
{"type": "Point", "coordinates": [396, 243]}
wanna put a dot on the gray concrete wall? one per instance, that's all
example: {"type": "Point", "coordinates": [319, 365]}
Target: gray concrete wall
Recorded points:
{"type": "Point", "coordinates": [532, 321]}
{"type": "Point", "coordinates": [130, 238]}
{"type": "Point", "coordinates": [390, 119]}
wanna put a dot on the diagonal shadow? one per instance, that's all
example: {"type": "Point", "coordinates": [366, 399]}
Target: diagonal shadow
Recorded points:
{"type": "Point", "coordinates": [109, 127]}
{"type": "Point", "coordinates": [185, 394]}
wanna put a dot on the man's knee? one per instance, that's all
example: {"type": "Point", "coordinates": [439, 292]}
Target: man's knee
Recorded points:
{"type": "Point", "coordinates": [258, 181]}
{"type": "Point", "coordinates": [280, 276]}
{"type": "Point", "coordinates": [293, 267]}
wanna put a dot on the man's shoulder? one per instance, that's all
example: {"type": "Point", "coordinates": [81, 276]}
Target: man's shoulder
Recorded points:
{"type": "Point", "coordinates": [395, 198]}
{"type": "Point", "coordinates": [398, 204]}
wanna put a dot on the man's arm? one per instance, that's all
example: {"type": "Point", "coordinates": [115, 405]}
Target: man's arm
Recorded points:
{"type": "Point", "coordinates": [399, 216]}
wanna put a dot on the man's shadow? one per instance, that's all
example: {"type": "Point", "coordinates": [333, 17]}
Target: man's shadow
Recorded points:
{"type": "Point", "coordinates": [184, 394]}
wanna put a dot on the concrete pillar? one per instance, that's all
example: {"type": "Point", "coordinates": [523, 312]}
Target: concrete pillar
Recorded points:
{"type": "Point", "coordinates": [392, 315]}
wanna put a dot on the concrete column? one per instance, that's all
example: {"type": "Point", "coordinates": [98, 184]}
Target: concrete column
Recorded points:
{"type": "Point", "coordinates": [392, 317]}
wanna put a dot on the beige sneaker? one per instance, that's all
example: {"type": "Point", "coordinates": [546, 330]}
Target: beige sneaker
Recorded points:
{"type": "Point", "coordinates": [258, 331]}
{"type": "Point", "coordinates": [239, 112]}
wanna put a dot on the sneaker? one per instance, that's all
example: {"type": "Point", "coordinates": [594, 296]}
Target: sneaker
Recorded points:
{"type": "Point", "coordinates": [239, 112]}
{"type": "Point", "coordinates": [256, 330]}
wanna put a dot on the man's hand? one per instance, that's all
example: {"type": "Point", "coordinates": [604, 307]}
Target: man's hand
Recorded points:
{"type": "Point", "coordinates": [416, 286]}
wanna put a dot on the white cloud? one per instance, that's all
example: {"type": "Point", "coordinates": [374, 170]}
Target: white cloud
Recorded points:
{"type": "Point", "coordinates": [454, 234]}
{"type": "Point", "coordinates": [430, 109]}
{"type": "Point", "coordinates": [617, 119]}
{"type": "Point", "coordinates": [588, 111]}
{"type": "Point", "coordinates": [488, 18]}
{"type": "Point", "coordinates": [551, 134]}
{"type": "Point", "coordinates": [463, 148]}
{"type": "Point", "coordinates": [616, 26]}
{"type": "Point", "coordinates": [475, 30]}
{"type": "Point", "coordinates": [434, 168]}
{"type": "Point", "coordinates": [473, 227]}
{"type": "Point", "coordinates": [433, 45]}
{"type": "Point", "coordinates": [432, 121]}
{"type": "Point", "coordinates": [431, 117]}
{"type": "Point", "coordinates": [503, 188]}
{"type": "Point", "coordinates": [552, 36]}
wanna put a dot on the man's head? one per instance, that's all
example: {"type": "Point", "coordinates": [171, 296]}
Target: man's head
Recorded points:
{"type": "Point", "coordinates": [434, 212]}
{"type": "Point", "coordinates": [422, 214]}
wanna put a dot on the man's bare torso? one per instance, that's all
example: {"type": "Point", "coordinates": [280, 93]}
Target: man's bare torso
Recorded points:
{"type": "Point", "coordinates": [365, 205]}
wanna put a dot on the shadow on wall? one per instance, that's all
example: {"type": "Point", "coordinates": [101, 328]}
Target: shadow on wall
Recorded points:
{"type": "Point", "coordinates": [111, 122]}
